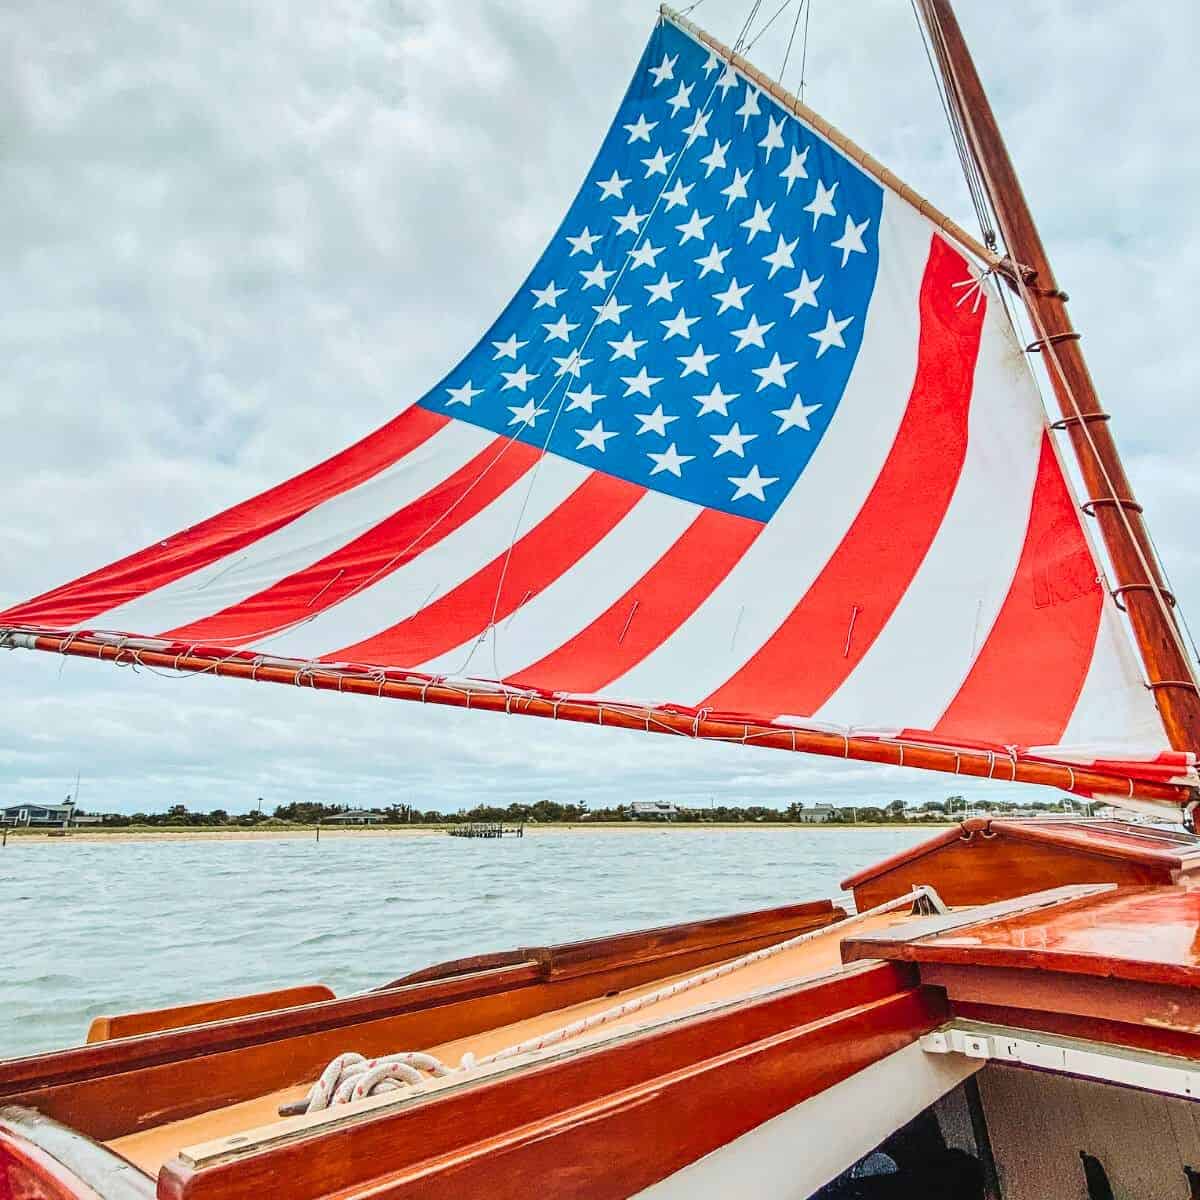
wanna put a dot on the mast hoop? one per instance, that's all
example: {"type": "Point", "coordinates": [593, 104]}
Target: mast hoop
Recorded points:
{"type": "Point", "coordinates": [1186, 684]}
{"type": "Point", "coordinates": [1117, 592]}
{"type": "Point", "coordinates": [1088, 507]}
{"type": "Point", "coordinates": [1081, 419]}
{"type": "Point", "coordinates": [1036, 347]}
{"type": "Point", "coordinates": [871, 165]}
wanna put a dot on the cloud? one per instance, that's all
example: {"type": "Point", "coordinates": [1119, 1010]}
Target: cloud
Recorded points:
{"type": "Point", "coordinates": [236, 237]}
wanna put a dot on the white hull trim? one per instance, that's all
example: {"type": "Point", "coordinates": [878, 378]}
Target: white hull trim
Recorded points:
{"type": "Point", "coordinates": [792, 1155]}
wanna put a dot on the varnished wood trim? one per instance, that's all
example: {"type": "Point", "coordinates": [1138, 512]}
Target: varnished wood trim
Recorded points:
{"type": "Point", "coordinates": [678, 1076]}
{"type": "Point", "coordinates": [105, 1029]}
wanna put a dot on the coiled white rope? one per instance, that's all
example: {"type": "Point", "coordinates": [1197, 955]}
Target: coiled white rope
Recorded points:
{"type": "Point", "coordinates": [351, 1076]}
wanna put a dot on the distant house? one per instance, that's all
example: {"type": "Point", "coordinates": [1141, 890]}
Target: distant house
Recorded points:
{"type": "Point", "coordinates": [817, 815]}
{"type": "Point", "coordinates": [658, 809]}
{"type": "Point", "coordinates": [356, 816]}
{"type": "Point", "coordinates": [38, 816]}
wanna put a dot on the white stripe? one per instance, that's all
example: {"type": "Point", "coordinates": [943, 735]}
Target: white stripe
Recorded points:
{"type": "Point", "coordinates": [754, 599]}
{"type": "Point", "coordinates": [576, 598]}
{"type": "Point", "coordinates": [436, 570]}
{"type": "Point", "coordinates": [1114, 700]}
{"type": "Point", "coordinates": [920, 658]}
{"type": "Point", "coordinates": [306, 540]}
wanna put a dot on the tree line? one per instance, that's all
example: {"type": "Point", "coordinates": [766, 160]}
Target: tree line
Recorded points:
{"type": "Point", "coordinates": [550, 811]}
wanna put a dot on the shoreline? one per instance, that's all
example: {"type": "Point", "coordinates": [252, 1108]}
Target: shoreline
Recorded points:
{"type": "Point", "coordinates": [309, 832]}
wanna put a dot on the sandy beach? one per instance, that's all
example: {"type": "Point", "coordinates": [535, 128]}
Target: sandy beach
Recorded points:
{"type": "Point", "coordinates": [309, 832]}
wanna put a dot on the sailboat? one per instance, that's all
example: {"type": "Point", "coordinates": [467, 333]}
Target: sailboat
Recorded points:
{"type": "Point", "coordinates": [755, 455]}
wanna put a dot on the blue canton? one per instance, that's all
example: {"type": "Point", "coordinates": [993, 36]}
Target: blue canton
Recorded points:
{"type": "Point", "coordinates": [692, 326]}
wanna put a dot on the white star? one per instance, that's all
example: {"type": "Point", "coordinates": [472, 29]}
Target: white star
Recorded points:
{"type": "Point", "coordinates": [640, 384]}
{"type": "Point", "coordinates": [584, 398]}
{"type": "Point", "coordinates": [614, 185]}
{"type": "Point", "coordinates": [627, 347]}
{"type": "Point", "coordinates": [548, 295]}
{"type": "Point", "coordinates": [645, 255]}
{"type": "Point", "coordinates": [714, 260]}
{"type": "Point", "coordinates": [680, 325]}
{"type": "Point", "coordinates": [821, 205]}
{"type": "Point", "coordinates": [759, 223]}
{"type": "Point", "coordinates": [795, 416]}
{"type": "Point", "coordinates": [630, 221]}
{"type": "Point", "coordinates": [678, 194]}
{"type": "Point", "coordinates": [665, 69]}
{"type": "Point", "coordinates": [508, 348]}
{"type": "Point", "coordinates": [751, 484]}
{"type": "Point", "coordinates": [584, 243]}
{"type": "Point", "coordinates": [715, 401]}
{"type": "Point", "coordinates": [527, 414]}
{"type": "Point", "coordinates": [571, 365]}
{"type": "Point", "coordinates": [697, 362]}
{"type": "Point", "coordinates": [781, 256]}
{"type": "Point", "coordinates": [774, 373]}
{"type": "Point", "coordinates": [773, 139]}
{"type": "Point", "coordinates": [804, 293]}
{"type": "Point", "coordinates": [693, 227]}
{"type": "Point", "coordinates": [664, 289]}
{"type": "Point", "coordinates": [596, 437]}
{"type": "Point", "coordinates": [733, 442]}
{"type": "Point", "coordinates": [795, 168]}
{"type": "Point", "coordinates": [596, 277]}
{"type": "Point", "coordinates": [749, 105]}
{"type": "Point", "coordinates": [737, 189]}
{"type": "Point", "coordinates": [657, 165]}
{"type": "Point", "coordinates": [851, 241]}
{"type": "Point", "coordinates": [655, 422]}
{"type": "Point", "coordinates": [711, 64]}
{"type": "Point", "coordinates": [698, 128]}
{"type": "Point", "coordinates": [670, 460]}
{"type": "Point", "coordinates": [610, 310]}
{"type": "Point", "coordinates": [731, 297]}
{"type": "Point", "coordinates": [560, 329]}
{"type": "Point", "coordinates": [728, 79]}
{"type": "Point", "coordinates": [640, 130]}
{"type": "Point", "coordinates": [682, 98]}
{"type": "Point", "coordinates": [519, 379]}
{"type": "Point", "coordinates": [463, 395]}
{"type": "Point", "coordinates": [752, 334]}
{"type": "Point", "coordinates": [715, 157]}
{"type": "Point", "coordinates": [831, 335]}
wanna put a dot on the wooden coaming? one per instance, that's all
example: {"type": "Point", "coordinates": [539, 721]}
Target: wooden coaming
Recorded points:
{"type": "Point", "coordinates": [105, 1029]}
{"type": "Point", "coordinates": [108, 1089]}
{"type": "Point", "coordinates": [605, 1122]}
{"type": "Point", "coordinates": [986, 859]}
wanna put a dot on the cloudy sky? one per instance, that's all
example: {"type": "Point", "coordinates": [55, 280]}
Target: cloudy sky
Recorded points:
{"type": "Point", "coordinates": [235, 236]}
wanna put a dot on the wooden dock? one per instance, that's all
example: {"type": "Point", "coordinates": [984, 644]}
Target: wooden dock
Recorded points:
{"type": "Point", "coordinates": [486, 829]}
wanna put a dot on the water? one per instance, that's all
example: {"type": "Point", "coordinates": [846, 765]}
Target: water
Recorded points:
{"type": "Point", "coordinates": [89, 927]}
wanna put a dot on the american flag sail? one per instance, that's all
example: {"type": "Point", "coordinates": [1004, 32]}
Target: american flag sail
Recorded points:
{"type": "Point", "coordinates": [753, 440]}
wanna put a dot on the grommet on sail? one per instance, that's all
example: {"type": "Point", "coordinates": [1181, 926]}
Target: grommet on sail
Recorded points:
{"type": "Point", "coordinates": [753, 453]}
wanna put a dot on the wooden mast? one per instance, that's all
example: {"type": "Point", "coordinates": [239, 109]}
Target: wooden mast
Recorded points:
{"type": "Point", "coordinates": [1139, 586]}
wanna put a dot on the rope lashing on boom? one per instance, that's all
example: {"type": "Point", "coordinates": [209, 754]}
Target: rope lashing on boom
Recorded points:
{"type": "Point", "coordinates": [352, 1076]}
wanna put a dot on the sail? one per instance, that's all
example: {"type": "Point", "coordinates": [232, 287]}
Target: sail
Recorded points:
{"type": "Point", "coordinates": [754, 440]}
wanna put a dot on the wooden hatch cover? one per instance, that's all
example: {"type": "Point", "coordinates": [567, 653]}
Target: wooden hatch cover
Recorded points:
{"type": "Point", "coordinates": [985, 859]}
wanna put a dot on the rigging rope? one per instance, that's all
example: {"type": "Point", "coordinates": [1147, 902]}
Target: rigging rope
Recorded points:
{"type": "Point", "coordinates": [351, 1076]}
{"type": "Point", "coordinates": [970, 169]}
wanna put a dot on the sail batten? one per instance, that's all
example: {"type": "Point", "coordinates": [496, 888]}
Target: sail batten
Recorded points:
{"type": "Point", "coordinates": [753, 448]}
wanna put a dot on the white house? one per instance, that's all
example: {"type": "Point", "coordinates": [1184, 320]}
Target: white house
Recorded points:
{"type": "Point", "coordinates": [817, 815]}
{"type": "Point", "coordinates": [659, 809]}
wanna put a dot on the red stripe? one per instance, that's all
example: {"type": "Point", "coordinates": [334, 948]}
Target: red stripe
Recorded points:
{"type": "Point", "coordinates": [538, 558]}
{"type": "Point", "coordinates": [194, 548]}
{"type": "Point", "coordinates": [650, 611]}
{"type": "Point", "coordinates": [1026, 680]}
{"type": "Point", "coordinates": [374, 555]}
{"type": "Point", "coordinates": [826, 635]}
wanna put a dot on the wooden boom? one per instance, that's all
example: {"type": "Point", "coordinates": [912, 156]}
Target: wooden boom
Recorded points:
{"type": "Point", "coordinates": [725, 727]}
{"type": "Point", "coordinates": [1139, 586]}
